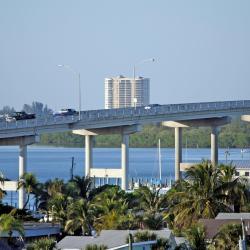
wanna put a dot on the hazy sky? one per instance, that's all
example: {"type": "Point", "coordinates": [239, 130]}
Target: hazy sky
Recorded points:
{"type": "Point", "coordinates": [202, 49]}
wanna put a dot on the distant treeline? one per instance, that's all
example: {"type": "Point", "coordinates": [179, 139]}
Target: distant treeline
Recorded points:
{"type": "Point", "coordinates": [236, 134]}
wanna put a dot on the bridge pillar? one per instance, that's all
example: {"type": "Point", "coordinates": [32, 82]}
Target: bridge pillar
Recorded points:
{"type": "Point", "coordinates": [106, 173]}
{"type": "Point", "coordinates": [22, 142]}
{"type": "Point", "coordinates": [178, 152]}
{"type": "Point", "coordinates": [214, 146]}
{"type": "Point", "coordinates": [22, 171]}
{"type": "Point", "coordinates": [214, 123]}
{"type": "Point", "coordinates": [88, 153]}
{"type": "Point", "coordinates": [125, 160]}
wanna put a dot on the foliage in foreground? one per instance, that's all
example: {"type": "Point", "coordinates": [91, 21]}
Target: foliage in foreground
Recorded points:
{"type": "Point", "coordinates": [95, 247]}
{"type": "Point", "coordinates": [43, 243]}
{"type": "Point", "coordinates": [140, 236]}
{"type": "Point", "coordinates": [228, 237]}
{"type": "Point", "coordinates": [8, 224]}
{"type": "Point", "coordinates": [196, 237]}
{"type": "Point", "coordinates": [205, 193]}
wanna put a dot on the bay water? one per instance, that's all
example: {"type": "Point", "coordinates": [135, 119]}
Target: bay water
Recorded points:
{"type": "Point", "coordinates": [56, 162]}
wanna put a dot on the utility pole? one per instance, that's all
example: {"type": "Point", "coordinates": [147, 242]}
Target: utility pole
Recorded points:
{"type": "Point", "coordinates": [72, 168]}
{"type": "Point", "coordinates": [130, 241]}
{"type": "Point", "coordinates": [242, 242]}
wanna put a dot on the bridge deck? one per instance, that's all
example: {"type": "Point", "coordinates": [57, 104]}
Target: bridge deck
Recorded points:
{"type": "Point", "coordinates": [124, 116]}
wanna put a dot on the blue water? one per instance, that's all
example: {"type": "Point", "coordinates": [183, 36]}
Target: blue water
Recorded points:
{"type": "Point", "coordinates": [48, 162]}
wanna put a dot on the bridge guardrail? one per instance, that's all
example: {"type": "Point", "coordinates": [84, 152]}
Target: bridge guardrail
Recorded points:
{"type": "Point", "coordinates": [124, 113]}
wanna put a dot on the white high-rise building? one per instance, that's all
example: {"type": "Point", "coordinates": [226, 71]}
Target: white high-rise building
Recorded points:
{"type": "Point", "coordinates": [122, 92]}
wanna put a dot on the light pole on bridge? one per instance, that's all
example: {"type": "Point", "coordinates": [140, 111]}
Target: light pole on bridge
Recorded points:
{"type": "Point", "coordinates": [78, 76]}
{"type": "Point", "coordinates": [146, 60]}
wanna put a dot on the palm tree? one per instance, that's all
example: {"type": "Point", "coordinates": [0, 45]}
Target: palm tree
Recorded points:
{"type": "Point", "coordinates": [152, 204]}
{"type": "Point", "coordinates": [150, 200]}
{"type": "Point", "coordinates": [48, 191]}
{"type": "Point", "coordinates": [80, 217]}
{"type": "Point", "coordinates": [111, 210]}
{"type": "Point", "coordinates": [57, 208]}
{"type": "Point", "coordinates": [201, 195]}
{"type": "Point", "coordinates": [228, 237]}
{"type": "Point", "coordinates": [8, 224]}
{"type": "Point", "coordinates": [196, 237]}
{"type": "Point", "coordinates": [29, 182]}
{"type": "Point", "coordinates": [83, 186]}
{"type": "Point", "coordinates": [235, 187]}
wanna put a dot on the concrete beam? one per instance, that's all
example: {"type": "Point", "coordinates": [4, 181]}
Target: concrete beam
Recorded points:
{"type": "Point", "coordinates": [245, 118]}
{"type": "Point", "coordinates": [106, 172]}
{"type": "Point", "coordinates": [22, 140]}
{"type": "Point", "coordinates": [9, 185]}
{"type": "Point", "coordinates": [110, 130]}
{"type": "Point", "coordinates": [206, 122]}
{"type": "Point", "coordinates": [186, 165]}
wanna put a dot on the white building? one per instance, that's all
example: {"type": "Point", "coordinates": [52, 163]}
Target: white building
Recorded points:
{"type": "Point", "coordinates": [122, 92]}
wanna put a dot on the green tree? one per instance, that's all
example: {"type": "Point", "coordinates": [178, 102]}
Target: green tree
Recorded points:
{"type": "Point", "coordinates": [80, 217]}
{"type": "Point", "coordinates": [196, 237]}
{"type": "Point", "coordinates": [29, 182]}
{"type": "Point", "coordinates": [235, 188]}
{"type": "Point", "coordinates": [9, 224]}
{"type": "Point", "coordinates": [57, 208]}
{"type": "Point", "coordinates": [228, 237]}
{"type": "Point", "coordinates": [111, 209]}
{"type": "Point", "coordinates": [95, 247]}
{"type": "Point", "coordinates": [83, 186]}
{"type": "Point", "coordinates": [152, 204]}
{"type": "Point", "coordinates": [42, 244]}
{"type": "Point", "coordinates": [201, 195]}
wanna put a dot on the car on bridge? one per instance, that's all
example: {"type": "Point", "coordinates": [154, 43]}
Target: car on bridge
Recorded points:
{"type": "Point", "coordinates": [19, 116]}
{"type": "Point", "coordinates": [65, 112]}
{"type": "Point", "coordinates": [151, 106]}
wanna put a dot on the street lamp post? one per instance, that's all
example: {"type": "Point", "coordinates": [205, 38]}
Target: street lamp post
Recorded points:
{"type": "Point", "coordinates": [78, 76]}
{"type": "Point", "coordinates": [146, 60]}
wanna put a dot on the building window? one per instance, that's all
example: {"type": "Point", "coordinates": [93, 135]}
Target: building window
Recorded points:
{"type": "Point", "coordinates": [237, 173]}
{"type": "Point", "coordinates": [246, 173]}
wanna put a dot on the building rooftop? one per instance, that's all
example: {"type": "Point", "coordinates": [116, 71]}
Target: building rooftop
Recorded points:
{"type": "Point", "coordinates": [212, 226]}
{"type": "Point", "coordinates": [110, 238]}
{"type": "Point", "coordinates": [228, 216]}
{"type": "Point", "coordinates": [36, 229]}
{"type": "Point", "coordinates": [125, 78]}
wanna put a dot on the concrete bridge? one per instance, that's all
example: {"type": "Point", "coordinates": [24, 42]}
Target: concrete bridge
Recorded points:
{"type": "Point", "coordinates": [123, 121]}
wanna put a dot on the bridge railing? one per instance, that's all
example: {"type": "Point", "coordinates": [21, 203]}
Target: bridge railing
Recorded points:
{"type": "Point", "coordinates": [125, 113]}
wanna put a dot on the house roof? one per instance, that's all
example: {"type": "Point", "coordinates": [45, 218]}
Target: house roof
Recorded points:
{"type": "Point", "coordinates": [35, 229]}
{"type": "Point", "coordinates": [110, 238]}
{"type": "Point", "coordinates": [226, 216]}
{"type": "Point", "coordinates": [212, 226]}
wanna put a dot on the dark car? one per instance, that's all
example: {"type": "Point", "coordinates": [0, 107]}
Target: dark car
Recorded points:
{"type": "Point", "coordinates": [20, 116]}
{"type": "Point", "coordinates": [65, 112]}
{"type": "Point", "coordinates": [151, 106]}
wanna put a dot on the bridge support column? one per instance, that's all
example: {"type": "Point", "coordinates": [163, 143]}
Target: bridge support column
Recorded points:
{"type": "Point", "coordinates": [109, 172]}
{"type": "Point", "coordinates": [22, 171]}
{"type": "Point", "coordinates": [178, 152]}
{"type": "Point", "coordinates": [88, 154]}
{"type": "Point", "coordinates": [125, 160]}
{"type": "Point", "coordinates": [214, 146]}
{"type": "Point", "coordinates": [22, 142]}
